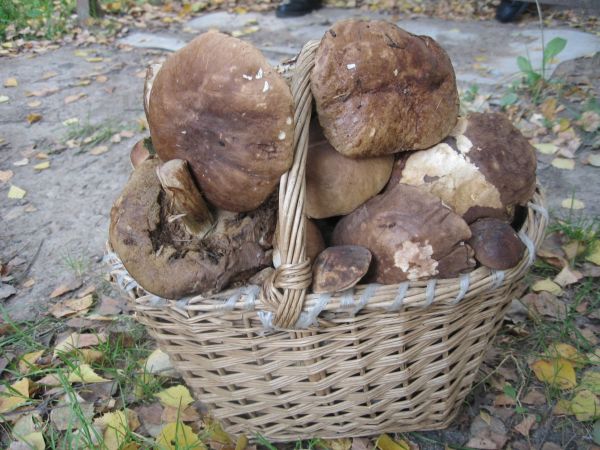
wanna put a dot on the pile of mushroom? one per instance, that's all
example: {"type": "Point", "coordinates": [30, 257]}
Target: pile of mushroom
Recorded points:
{"type": "Point", "coordinates": [398, 186]}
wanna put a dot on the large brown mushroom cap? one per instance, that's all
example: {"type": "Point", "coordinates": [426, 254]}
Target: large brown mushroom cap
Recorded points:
{"type": "Point", "coordinates": [496, 244]}
{"type": "Point", "coordinates": [339, 268]}
{"type": "Point", "coordinates": [380, 90]}
{"type": "Point", "coordinates": [410, 234]}
{"type": "Point", "coordinates": [483, 169]}
{"type": "Point", "coordinates": [166, 260]}
{"type": "Point", "coordinates": [335, 184]}
{"type": "Point", "coordinates": [217, 104]}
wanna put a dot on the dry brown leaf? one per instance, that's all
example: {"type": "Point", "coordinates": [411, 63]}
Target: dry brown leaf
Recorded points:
{"type": "Point", "coordinates": [101, 78]}
{"type": "Point", "coordinates": [77, 341]}
{"type": "Point", "coordinates": [548, 108]}
{"type": "Point", "coordinates": [11, 82]}
{"type": "Point", "coordinates": [589, 121]}
{"type": "Point", "coordinates": [526, 424]}
{"type": "Point", "coordinates": [172, 414]}
{"type": "Point", "coordinates": [534, 397]}
{"type": "Point", "coordinates": [42, 92]}
{"type": "Point", "coordinates": [567, 276]}
{"type": "Point", "coordinates": [49, 74]}
{"type": "Point", "coordinates": [34, 118]}
{"type": "Point", "coordinates": [72, 306]}
{"type": "Point", "coordinates": [34, 104]}
{"type": "Point", "coordinates": [67, 286]}
{"type": "Point", "coordinates": [504, 400]}
{"type": "Point", "coordinates": [546, 285]}
{"type": "Point", "coordinates": [6, 175]}
{"type": "Point", "coordinates": [27, 363]}
{"type": "Point", "coordinates": [73, 98]}
{"type": "Point", "coordinates": [98, 150]}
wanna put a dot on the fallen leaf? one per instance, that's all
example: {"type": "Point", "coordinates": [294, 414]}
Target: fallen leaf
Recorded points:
{"type": "Point", "coordinates": [115, 428]}
{"type": "Point", "coordinates": [4, 99]}
{"type": "Point", "coordinates": [100, 149]}
{"type": "Point", "coordinates": [534, 397]}
{"type": "Point", "coordinates": [563, 163]}
{"type": "Point", "coordinates": [150, 417]}
{"type": "Point", "coordinates": [71, 121]}
{"type": "Point", "coordinates": [101, 78]}
{"type": "Point", "coordinates": [95, 59]}
{"type": "Point", "coordinates": [593, 160]}
{"type": "Point", "coordinates": [21, 162]}
{"type": "Point", "coordinates": [159, 363]}
{"type": "Point", "coordinates": [80, 53]}
{"type": "Point", "coordinates": [34, 104]}
{"type": "Point", "coordinates": [504, 400]}
{"type": "Point", "coordinates": [109, 306]}
{"type": "Point", "coordinates": [42, 166]}
{"type": "Point", "coordinates": [74, 97]}
{"type": "Point", "coordinates": [49, 380]}
{"type": "Point", "coordinates": [572, 203]}
{"type": "Point", "coordinates": [589, 121]}
{"type": "Point", "coordinates": [585, 405]}
{"type": "Point", "coordinates": [177, 435]}
{"type": "Point", "coordinates": [189, 414]}
{"type": "Point", "coordinates": [68, 286]}
{"type": "Point", "coordinates": [15, 396]}
{"type": "Point", "coordinates": [42, 92]}
{"type": "Point", "coordinates": [546, 149]}
{"type": "Point", "coordinates": [27, 362]}
{"type": "Point", "coordinates": [562, 408]}
{"type": "Point", "coordinates": [6, 175]}
{"type": "Point", "coordinates": [16, 193]}
{"type": "Point", "coordinates": [76, 341]}
{"type": "Point", "coordinates": [568, 352]}
{"type": "Point", "coordinates": [34, 117]}
{"type": "Point", "coordinates": [567, 276]}
{"type": "Point", "coordinates": [546, 285]}
{"type": "Point", "coordinates": [72, 306]}
{"type": "Point", "coordinates": [11, 82]}
{"type": "Point", "coordinates": [591, 381]}
{"type": "Point", "coordinates": [32, 441]}
{"type": "Point", "coordinates": [176, 396]}
{"type": "Point", "coordinates": [558, 372]}
{"type": "Point", "coordinates": [48, 75]}
{"type": "Point", "coordinates": [593, 255]}
{"type": "Point", "coordinates": [25, 425]}
{"type": "Point", "coordinates": [525, 425]}
{"type": "Point", "coordinates": [127, 134]}
{"type": "Point", "coordinates": [68, 412]}
{"type": "Point", "coordinates": [573, 249]}
{"type": "Point", "coordinates": [85, 374]}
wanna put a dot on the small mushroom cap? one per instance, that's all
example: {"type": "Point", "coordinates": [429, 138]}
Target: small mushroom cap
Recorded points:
{"type": "Point", "coordinates": [219, 105]}
{"type": "Point", "coordinates": [315, 243]}
{"type": "Point", "coordinates": [169, 262]}
{"type": "Point", "coordinates": [381, 90]}
{"type": "Point", "coordinates": [339, 268]}
{"type": "Point", "coordinates": [483, 169]}
{"type": "Point", "coordinates": [335, 184]}
{"type": "Point", "coordinates": [140, 153]}
{"type": "Point", "coordinates": [496, 244]}
{"type": "Point", "coordinates": [411, 235]}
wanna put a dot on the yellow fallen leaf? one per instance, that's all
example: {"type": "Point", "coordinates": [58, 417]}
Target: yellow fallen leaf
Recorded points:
{"type": "Point", "coordinates": [85, 374]}
{"type": "Point", "coordinates": [80, 53]}
{"type": "Point", "coordinates": [558, 372]}
{"type": "Point", "coordinates": [563, 163]}
{"type": "Point", "coordinates": [95, 59]}
{"type": "Point", "coordinates": [562, 408]}
{"type": "Point", "coordinates": [241, 443]}
{"type": "Point", "coordinates": [593, 255]}
{"type": "Point", "coordinates": [591, 381]}
{"type": "Point", "coordinates": [546, 149]}
{"type": "Point", "coordinates": [100, 149]}
{"type": "Point", "coordinates": [594, 160]}
{"type": "Point", "coordinates": [115, 429]}
{"type": "Point", "coordinates": [34, 117]}
{"type": "Point", "coordinates": [586, 406]}
{"type": "Point", "coordinates": [384, 442]}
{"type": "Point", "coordinates": [177, 435]}
{"type": "Point", "coordinates": [176, 396]}
{"type": "Point", "coordinates": [16, 193]}
{"type": "Point", "coordinates": [75, 341]}
{"type": "Point", "coordinates": [546, 285]}
{"type": "Point", "coordinates": [568, 352]}
{"type": "Point", "coordinates": [4, 99]}
{"type": "Point", "coordinates": [89, 356]}
{"type": "Point", "coordinates": [159, 363]}
{"type": "Point", "coordinates": [34, 440]}
{"type": "Point", "coordinates": [42, 166]}
{"type": "Point", "coordinates": [572, 203]}
{"type": "Point", "coordinates": [15, 396]}
{"type": "Point", "coordinates": [27, 361]}
{"type": "Point", "coordinates": [11, 82]}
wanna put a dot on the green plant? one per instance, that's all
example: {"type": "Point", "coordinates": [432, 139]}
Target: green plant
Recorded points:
{"type": "Point", "coordinates": [34, 19]}
{"type": "Point", "coordinates": [535, 79]}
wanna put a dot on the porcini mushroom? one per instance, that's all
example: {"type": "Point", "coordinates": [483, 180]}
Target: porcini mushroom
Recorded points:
{"type": "Point", "coordinates": [140, 152]}
{"type": "Point", "coordinates": [411, 235]}
{"type": "Point", "coordinates": [339, 268]}
{"type": "Point", "coordinates": [314, 242]}
{"type": "Point", "coordinates": [381, 90]}
{"type": "Point", "coordinates": [495, 243]}
{"type": "Point", "coordinates": [335, 184]}
{"type": "Point", "coordinates": [217, 104]}
{"type": "Point", "coordinates": [483, 169]}
{"type": "Point", "coordinates": [168, 261]}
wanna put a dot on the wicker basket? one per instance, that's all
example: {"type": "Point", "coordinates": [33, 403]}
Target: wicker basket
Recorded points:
{"type": "Point", "coordinates": [288, 364]}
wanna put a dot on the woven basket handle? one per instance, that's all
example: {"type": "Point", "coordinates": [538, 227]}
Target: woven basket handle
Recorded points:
{"type": "Point", "coordinates": [285, 290]}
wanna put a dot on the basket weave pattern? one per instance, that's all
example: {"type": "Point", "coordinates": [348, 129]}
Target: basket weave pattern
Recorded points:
{"type": "Point", "coordinates": [290, 364]}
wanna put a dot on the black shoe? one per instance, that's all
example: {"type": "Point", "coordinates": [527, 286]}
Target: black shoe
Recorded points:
{"type": "Point", "coordinates": [509, 10]}
{"type": "Point", "coordinates": [296, 8]}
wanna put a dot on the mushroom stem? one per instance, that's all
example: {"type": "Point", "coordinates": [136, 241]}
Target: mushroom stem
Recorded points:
{"type": "Point", "coordinates": [177, 182]}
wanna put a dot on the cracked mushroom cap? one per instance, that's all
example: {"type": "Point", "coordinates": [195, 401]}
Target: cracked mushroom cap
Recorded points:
{"type": "Point", "coordinates": [218, 104]}
{"type": "Point", "coordinates": [496, 244]}
{"type": "Point", "coordinates": [335, 184]}
{"type": "Point", "coordinates": [166, 260]}
{"type": "Point", "coordinates": [483, 169]}
{"type": "Point", "coordinates": [381, 90]}
{"type": "Point", "coordinates": [339, 268]}
{"type": "Point", "coordinates": [411, 235]}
